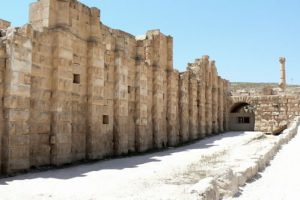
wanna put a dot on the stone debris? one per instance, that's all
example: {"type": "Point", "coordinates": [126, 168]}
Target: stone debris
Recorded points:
{"type": "Point", "coordinates": [229, 180]}
{"type": "Point", "coordinates": [206, 189]}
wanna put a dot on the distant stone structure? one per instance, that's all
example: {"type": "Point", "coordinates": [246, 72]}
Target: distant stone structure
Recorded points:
{"type": "Point", "coordinates": [282, 83]}
{"type": "Point", "coordinates": [271, 108]}
{"type": "Point", "coordinates": [74, 89]}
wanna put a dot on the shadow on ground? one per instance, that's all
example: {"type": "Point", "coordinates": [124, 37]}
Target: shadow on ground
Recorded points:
{"type": "Point", "coordinates": [118, 163]}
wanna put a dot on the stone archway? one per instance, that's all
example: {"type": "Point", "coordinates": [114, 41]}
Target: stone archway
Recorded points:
{"type": "Point", "coordinates": [242, 117]}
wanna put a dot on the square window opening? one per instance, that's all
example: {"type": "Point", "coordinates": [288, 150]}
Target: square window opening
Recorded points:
{"type": "Point", "coordinates": [105, 119]}
{"type": "Point", "coordinates": [246, 120]}
{"type": "Point", "coordinates": [76, 78]}
{"type": "Point", "coordinates": [240, 120]}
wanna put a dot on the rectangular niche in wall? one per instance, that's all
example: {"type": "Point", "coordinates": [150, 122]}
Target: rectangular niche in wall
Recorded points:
{"type": "Point", "coordinates": [105, 119]}
{"type": "Point", "coordinates": [76, 78]}
{"type": "Point", "coordinates": [129, 89]}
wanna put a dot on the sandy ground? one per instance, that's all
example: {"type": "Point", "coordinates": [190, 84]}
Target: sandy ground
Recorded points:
{"type": "Point", "coordinates": [162, 175]}
{"type": "Point", "coordinates": [279, 181]}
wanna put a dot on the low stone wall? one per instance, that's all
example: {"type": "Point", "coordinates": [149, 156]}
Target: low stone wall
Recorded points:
{"type": "Point", "coordinates": [227, 182]}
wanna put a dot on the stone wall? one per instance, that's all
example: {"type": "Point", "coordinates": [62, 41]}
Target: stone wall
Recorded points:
{"type": "Point", "coordinates": [4, 24]}
{"type": "Point", "coordinates": [272, 112]}
{"type": "Point", "coordinates": [74, 89]}
{"type": "Point", "coordinates": [2, 71]}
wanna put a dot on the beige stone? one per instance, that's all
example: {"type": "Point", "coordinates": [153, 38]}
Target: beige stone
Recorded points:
{"type": "Point", "coordinates": [75, 89]}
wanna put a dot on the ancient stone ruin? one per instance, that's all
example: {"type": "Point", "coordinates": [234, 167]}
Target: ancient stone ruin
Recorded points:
{"type": "Point", "coordinates": [264, 108]}
{"type": "Point", "coordinates": [74, 89]}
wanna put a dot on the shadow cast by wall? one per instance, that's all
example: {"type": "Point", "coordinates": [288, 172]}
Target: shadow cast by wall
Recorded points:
{"type": "Point", "coordinates": [80, 170]}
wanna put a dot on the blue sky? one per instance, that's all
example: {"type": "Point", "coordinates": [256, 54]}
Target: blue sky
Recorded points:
{"type": "Point", "coordinates": [244, 37]}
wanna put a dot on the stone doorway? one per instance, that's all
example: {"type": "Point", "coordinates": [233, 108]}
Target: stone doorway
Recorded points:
{"type": "Point", "coordinates": [242, 117]}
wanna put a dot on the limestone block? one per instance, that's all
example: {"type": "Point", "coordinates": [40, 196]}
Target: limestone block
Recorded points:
{"type": "Point", "coordinates": [226, 182]}
{"type": "Point", "coordinates": [206, 189]}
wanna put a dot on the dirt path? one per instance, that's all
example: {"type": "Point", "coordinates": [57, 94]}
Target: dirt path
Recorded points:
{"type": "Point", "coordinates": [163, 175]}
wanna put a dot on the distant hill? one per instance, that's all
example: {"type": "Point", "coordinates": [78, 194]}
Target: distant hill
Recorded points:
{"type": "Point", "coordinates": [248, 85]}
{"type": "Point", "coordinates": [242, 88]}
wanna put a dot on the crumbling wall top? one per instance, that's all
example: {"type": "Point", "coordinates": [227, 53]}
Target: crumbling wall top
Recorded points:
{"type": "Point", "coordinates": [4, 24]}
{"type": "Point", "coordinates": [80, 19]}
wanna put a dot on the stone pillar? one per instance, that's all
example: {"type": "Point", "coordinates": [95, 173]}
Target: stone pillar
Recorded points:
{"type": "Point", "coordinates": [100, 115]}
{"type": "Point", "coordinates": [282, 83]}
{"type": "Point", "coordinates": [142, 136]}
{"type": "Point", "coordinates": [62, 86]}
{"type": "Point", "coordinates": [149, 52]}
{"type": "Point", "coordinates": [132, 89]}
{"type": "Point", "coordinates": [184, 107]}
{"type": "Point", "coordinates": [157, 57]}
{"type": "Point", "coordinates": [201, 97]}
{"type": "Point", "coordinates": [221, 105]}
{"type": "Point", "coordinates": [150, 143]}
{"type": "Point", "coordinates": [225, 102]}
{"type": "Point", "coordinates": [17, 86]}
{"type": "Point", "coordinates": [159, 96]}
{"type": "Point", "coordinates": [193, 109]}
{"type": "Point", "coordinates": [215, 104]}
{"type": "Point", "coordinates": [172, 108]}
{"type": "Point", "coordinates": [2, 79]}
{"type": "Point", "coordinates": [121, 104]}
{"type": "Point", "coordinates": [208, 95]}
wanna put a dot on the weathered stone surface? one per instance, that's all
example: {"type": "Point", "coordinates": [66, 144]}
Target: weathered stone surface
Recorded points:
{"type": "Point", "coordinates": [4, 24]}
{"type": "Point", "coordinates": [206, 189]}
{"type": "Point", "coordinates": [75, 89]}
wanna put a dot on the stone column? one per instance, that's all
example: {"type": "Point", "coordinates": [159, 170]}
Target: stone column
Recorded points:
{"type": "Point", "coordinates": [184, 107]}
{"type": "Point", "coordinates": [2, 79]}
{"type": "Point", "coordinates": [159, 96]}
{"type": "Point", "coordinates": [201, 98]}
{"type": "Point", "coordinates": [172, 108]}
{"type": "Point", "coordinates": [193, 109]}
{"type": "Point", "coordinates": [147, 53]}
{"type": "Point", "coordinates": [282, 83]}
{"type": "Point", "coordinates": [17, 88]}
{"type": "Point", "coordinates": [225, 102]}
{"type": "Point", "coordinates": [221, 106]}
{"type": "Point", "coordinates": [150, 143]}
{"type": "Point", "coordinates": [208, 95]}
{"type": "Point", "coordinates": [157, 57]}
{"type": "Point", "coordinates": [214, 98]}
{"type": "Point", "coordinates": [142, 136]}
{"type": "Point", "coordinates": [100, 116]}
{"type": "Point", "coordinates": [62, 87]}
{"type": "Point", "coordinates": [120, 104]}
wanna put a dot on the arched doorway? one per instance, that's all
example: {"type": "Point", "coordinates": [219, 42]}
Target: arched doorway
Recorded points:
{"type": "Point", "coordinates": [242, 117]}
